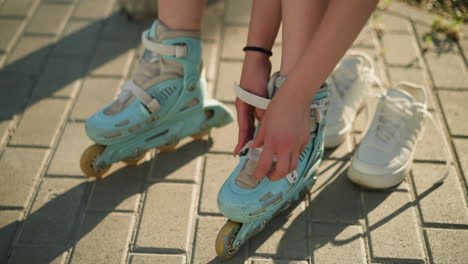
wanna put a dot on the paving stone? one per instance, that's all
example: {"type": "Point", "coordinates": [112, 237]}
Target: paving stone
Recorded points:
{"type": "Point", "coordinates": [9, 221]}
{"type": "Point", "coordinates": [225, 138]}
{"type": "Point", "coordinates": [162, 200]}
{"type": "Point", "coordinates": [66, 160]}
{"type": "Point", "coordinates": [276, 58]}
{"type": "Point", "coordinates": [394, 23]}
{"type": "Point", "coordinates": [10, 29]}
{"type": "Point", "coordinates": [334, 198]}
{"type": "Point", "coordinates": [204, 242]}
{"type": "Point", "coordinates": [112, 58]}
{"type": "Point", "coordinates": [40, 123]}
{"type": "Point", "coordinates": [393, 226]}
{"type": "Point", "coordinates": [119, 190]}
{"type": "Point", "coordinates": [13, 103]}
{"type": "Point", "coordinates": [404, 74]}
{"type": "Point", "coordinates": [18, 180]}
{"type": "Point", "coordinates": [447, 246]}
{"type": "Point", "coordinates": [5, 127]}
{"type": "Point", "coordinates": [431, 146]}
{"type": "Point", "coordinates": [210, 59]}
{"type": "Point", "coordinates": [213, 20]}
{"type": "Point", "coordinates": [79, 38]}
{"type": "Point", "coordinates": [400, 50]}
{"type": "Point", "coordinates": [91, 9]}
{"type": "Point", "coordinates": [284, 236]}
{"type": "Point", "coordinates": [95, 94]}
{"type": "Point", "coordinates": [38, 255]}
{"type": "Point", "coordinates": [54, 213]}
{"type": "Point", "coordinates": [157, 259]}
{"type": "Point", "coordinates": [235, 38]}
{"type": "Point", "coordinates": [30, 54]}
{"type": "Point", "coordinates": [238, 12]}
{"type": "Point", "coordinates": [337, 243]}
{"type": "Point", "coordinates": [445, 204]}
{"type": "Point", "coordinates": [104, 238]}
{"type": "Point", "coordinates": [217, 170]}
{"type": "Point", "coordinates": [49, 19]}
{"type": "Point", "coordinates": [453, 105]}
{"type": "Point", "coordinates": [18, 7]}
{"type": "Point", "coordinates": [271, 261]}
{"type": "Point", "coordinates": [364, 39]}
{"type": "Point", "coordinates": [119, 27]}
{"type": "Point", "coordinates": [229, 73]}
{"type": "Point", "coordinates": [448, 70]}
{"type": "Point", "coordinates": [461, 147]}
{"type": "Point", "coordinates": [182, 164]}
{"type": "Point", "coordinates": [408, 11]}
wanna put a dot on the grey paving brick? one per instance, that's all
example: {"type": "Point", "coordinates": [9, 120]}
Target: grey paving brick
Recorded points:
{"type": "Point", "coordinates": [95, 94]}
{"type": "Point", "coordinates": [119, 190]}
{"type": "Point", "coordinates": [217, 170]}
{"type": "Point", "coordinates": [163, 200]}
{"type": "Point", "coordinates": [337, 244]}
{"type": "Point", "coordinates": [182, 164]}
{"type": "Point", "coordinates": [53, 217]}
{"type": "Point", "coordinates": [10, 29]}
{"type": "Point", "coordinates": [400, 50]}
{"type": "Point", "coordinates": [210, 59]}
{"type": "Point", "coordinates": [447, 246]}
{"type": "Point", "coordinates": [61, 77]}
{"type": "Point", "coordinates": [393, 225]}
{"type": "Point", "coordinates": [104, 238]}
{"type": "Point", "coordinates": [235, 38]}
{"type": "Point", "coordinates": [29, 54]}
{"type": "Point", "coordinates": [238, 12]}
{"type": "Point", "coordinates": [271, 261]}
{"type": "Point", "coordinates": [49, 19]}
{"type": "Point", "coordinates": [394, 23]}
{"type": "Point", "coordinates": [18, 7]}
{"type": "Point", "coordinates": [79, 38]}
{"type": "Point", "coordinates": [364, 39]}
{"type": "Point", "coordinates": [408, 11]}
{"type": "Point", "coordinates": [66, 159]}
{"type": "Point", "coordinates": [13, 103]}
{"type": "Point", "coordinates": [453, 106]}
{"type": "Point", "coordinates": [5, 127]}
{"type": "Point", "coordinates": [9, 221]}
{"type": "Point", "coordinates": [157, 259]}
{"type": "Point", "coordinates": [204, 244]}
{"type": "Point", "coordinates": [448, 70]}
{"type": "Point", "coordinates": [431, 145]}
{"type": "Point", "coordinates": [284, 236]}
{"type": "Point", "coordinates": [225, 138]}
{"type": "Point", "coordinates": [445, 204]}
{"type": "Point", "coordinates": [276, 58]}
{"type": "Point", "coordinates": [91, 9]}
{"type": "Point", "coordinates": [461, 147]}
{"type": "Point", "coordinates": [229, 73]}
{"type": "Point", "coordinates": [334, 198]}
{"type": "Point", "coordinates": [119, 27]}
{"type": "Point", "coordinates": [112, 58]}
{"type": "Point", "coordinates": [18, 180]}
{"type": "Point", "coordinates": [213, 20]}
{"type": "Point", "coordinates": [40, 123]}
{"type": "Point", "coordinates": [38, 255]}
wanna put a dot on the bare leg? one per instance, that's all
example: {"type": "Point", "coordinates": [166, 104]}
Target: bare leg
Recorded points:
{"type": "Point", "coordinates": [300, 19]}
{"type": "Point", "coordinates": [181, 14]}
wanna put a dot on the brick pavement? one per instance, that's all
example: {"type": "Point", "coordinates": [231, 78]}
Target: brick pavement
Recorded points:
{"type": "Point", "coordinates": [64, 59]}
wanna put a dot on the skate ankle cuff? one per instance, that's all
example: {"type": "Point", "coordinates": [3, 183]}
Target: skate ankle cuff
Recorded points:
{"type": "Point", "coordinates": [179, 51]}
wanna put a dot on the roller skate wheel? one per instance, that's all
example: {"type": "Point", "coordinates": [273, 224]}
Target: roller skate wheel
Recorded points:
{"type": "Point", "coordinates": [201, 135]}
{"type": "Point", "coordinates": [88, 159]}
{"type": "Point", "coordinates": [135, 160]}
{"type": "Point", "coordinates": [225, 238]}
{"type": "Point", "coordinates": [169, 147]}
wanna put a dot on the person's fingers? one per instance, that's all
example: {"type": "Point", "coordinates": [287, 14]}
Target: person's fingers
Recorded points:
{"type": "Point", "coordinates": [259, 139]}
{"type": "Point", "coordinates": [282, 167]}
{"type": "Point", "coordinates": [264, 164]}
{"type": "Point", "coordinates": [259, 113]}
{"type": "Point", "coordinates": [294, 160]}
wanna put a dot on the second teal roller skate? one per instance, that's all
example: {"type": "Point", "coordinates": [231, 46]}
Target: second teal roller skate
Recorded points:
{"type": "Point", "coordinates": [250, 205]}
{"type": "Point", "coordinates": [163, 103]}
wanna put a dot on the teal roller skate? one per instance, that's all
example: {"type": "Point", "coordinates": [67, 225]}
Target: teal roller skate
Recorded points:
{"type": "Point", "coordinates": [163, 103]}
{"type": "Point", "coordinates": [249, 204]}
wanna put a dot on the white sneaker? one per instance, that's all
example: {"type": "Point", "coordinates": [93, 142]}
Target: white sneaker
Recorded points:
{"type": "Point", "coordinates": [349, 84]}
{"type": "Point", "coordinates": [385, 154]}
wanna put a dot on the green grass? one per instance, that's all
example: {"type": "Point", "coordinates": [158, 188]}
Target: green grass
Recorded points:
{"type": "Point", "coordinates": [456, 10]}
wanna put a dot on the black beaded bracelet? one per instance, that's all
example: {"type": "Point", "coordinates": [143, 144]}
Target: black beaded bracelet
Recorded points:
{"type": "Point", "coordinates": [262, 50]}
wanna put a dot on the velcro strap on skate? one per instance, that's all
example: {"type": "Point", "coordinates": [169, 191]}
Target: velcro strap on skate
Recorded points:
{"type": "Point", "coordinates": [140, 93]}
{"type": "Point", "coordinates": [250, 98]}
{"type": "Point", "coordinates": [179, 51]}
{"type": "Point", "coordinates": [292, 177]}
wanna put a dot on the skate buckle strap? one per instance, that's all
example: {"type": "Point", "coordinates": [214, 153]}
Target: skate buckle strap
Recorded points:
{"type": "Point", "coordinates": [151, 103]}
{"type": "Point", "coordinates": [292, 177]}
{"type": "Point", "coordinates": [250, 98]}
{"type": "Point", "coordinates": [179, 51]}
